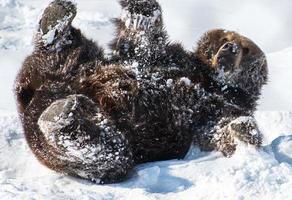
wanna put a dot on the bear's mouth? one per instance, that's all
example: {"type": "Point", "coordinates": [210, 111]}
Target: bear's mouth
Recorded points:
{"type": "Point", "coordinates": [228, 57]}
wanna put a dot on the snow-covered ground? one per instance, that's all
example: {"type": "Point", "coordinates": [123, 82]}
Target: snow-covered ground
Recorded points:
{"type": "Point", "coordinates": [249, 174]}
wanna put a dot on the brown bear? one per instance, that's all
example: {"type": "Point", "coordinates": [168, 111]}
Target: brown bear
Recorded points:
{"type": "Point", "coordinates": [96, 118]}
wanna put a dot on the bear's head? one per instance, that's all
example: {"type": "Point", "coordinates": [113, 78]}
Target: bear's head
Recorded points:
{"type": "Point", "coordinates": [234, 59]}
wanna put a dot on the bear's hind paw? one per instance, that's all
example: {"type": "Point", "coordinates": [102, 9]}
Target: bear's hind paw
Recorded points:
{"type": "Point", "coordinates": [141, 14]}
{"type": "Point", "coordinates": [85, 140]}
{"type": "Point", "coordinates": [55, 23]}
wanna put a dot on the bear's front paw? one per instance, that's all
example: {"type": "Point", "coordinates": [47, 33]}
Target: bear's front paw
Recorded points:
{"type": "Point", "coordinates": [227, 149]}
{"type": "Point", "coordinates": [246, 130]}
{"type": "Point", "coordinates": [223, 140]}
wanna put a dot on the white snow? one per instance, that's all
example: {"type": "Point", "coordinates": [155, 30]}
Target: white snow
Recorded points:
{"type": "Point", "coordinates": [49, 37]}
{"type": "Point", "coordinates": [169, 82]}
{"type": "Point", "coordinates": [249, 174]}
{"type": "Point", "coordinates": [286, 148]}
{"type": "Point", "coordinates": [138, 21]}
{"type": "Point", "coordinates": [186, 81]}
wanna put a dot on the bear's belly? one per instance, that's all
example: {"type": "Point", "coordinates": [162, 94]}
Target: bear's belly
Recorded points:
{"type": "Point", "coordinates": [159, 141]}
{"type": "Point", "coordinates": [158, 130]}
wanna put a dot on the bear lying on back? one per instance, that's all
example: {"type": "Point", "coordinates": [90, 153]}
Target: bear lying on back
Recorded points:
{"type": "Point", "coordinates": [96, 118]}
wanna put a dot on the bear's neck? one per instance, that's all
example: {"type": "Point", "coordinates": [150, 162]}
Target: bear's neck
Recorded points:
{"type": "Point", "coordinates": [242, 87]}
{"type": "Point", "coordinates": [234, 94]}
{"type": "Point", "coordinates": [240, 97]}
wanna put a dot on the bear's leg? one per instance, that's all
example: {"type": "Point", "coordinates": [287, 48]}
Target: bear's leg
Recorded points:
{"type": "Point", "coordinates": [85, 140]}
{"type": "Point", "coordinates": [140, 34]}
{"type": "Point", "coordinates": [218, 140]}
{"type": "Point", "coordinates": [246, 130]}
{"type": "Point", "coordinates": [221, 139]}
{"type": "Point", "coordinates": [227, 130]}
{"type": "Point", "coordinates": [60, 51]}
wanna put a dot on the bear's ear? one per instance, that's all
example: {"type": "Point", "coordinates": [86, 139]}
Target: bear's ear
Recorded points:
{"type": "Point", "coordinates": [24, 96]}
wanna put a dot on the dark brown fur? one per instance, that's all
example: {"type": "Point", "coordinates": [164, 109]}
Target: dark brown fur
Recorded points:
{"type": "Point", "coordinates": [154, 98]}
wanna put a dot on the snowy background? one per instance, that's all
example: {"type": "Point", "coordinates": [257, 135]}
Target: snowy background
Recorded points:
{"type": "Point", "coordinates": [249, 174]}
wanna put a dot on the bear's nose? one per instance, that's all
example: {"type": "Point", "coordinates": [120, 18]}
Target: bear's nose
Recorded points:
{"type": "Point", "coordinates": [230, 47]}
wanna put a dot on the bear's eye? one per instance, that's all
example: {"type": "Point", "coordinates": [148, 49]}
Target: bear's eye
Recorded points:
{"type": "Point", "coordinates": [224, 40]}
{"type": "Point", "coordinates": [245, 51]}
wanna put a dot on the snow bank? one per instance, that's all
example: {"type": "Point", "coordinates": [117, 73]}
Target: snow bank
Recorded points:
{"type": "Point", "coordinates": [10, 63]}
{"type": "Point", "coordinates": [277, 94]}
{"type": "Point", "coordinates": [17, 22]}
